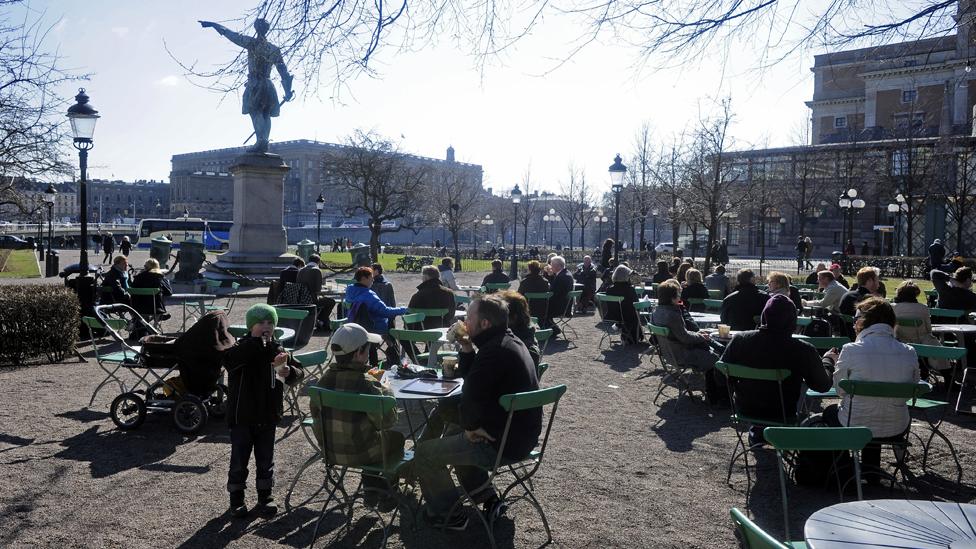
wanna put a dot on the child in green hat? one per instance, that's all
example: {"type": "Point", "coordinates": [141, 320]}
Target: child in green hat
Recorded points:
{"type": "Point", "coordinates": [258, 368]}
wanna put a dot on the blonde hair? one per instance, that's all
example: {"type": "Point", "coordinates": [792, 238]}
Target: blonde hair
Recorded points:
{"type": "Point", "coordinates": [151, 265]}
{"type": "Point", "coordinates": [782, 280]}
{"type": "Point", "coordinates": [693, 276]}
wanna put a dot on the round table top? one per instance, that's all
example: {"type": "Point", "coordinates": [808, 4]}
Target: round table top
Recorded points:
{"type": "Point", "coordinates": [706, 318]}
{"type": "Point", "coordinates": [892, 523]}
{"type": "Point", "coordinates": [956, 328]}
{"type": "Point", "coordinates": [397, 385]}
{"type": "Point", "coordinates": [190, 297]}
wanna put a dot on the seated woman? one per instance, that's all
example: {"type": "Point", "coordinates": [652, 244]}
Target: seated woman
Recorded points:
{"type": "Point", "coordinates": [534, 282]}
{"type": "Point", "coordinates": [694, 289]}
{"type": "Point", "coordinates": [626, 315]}
{"type": "Point", "coordinates": [907, 307]}
{"type": "Point", "coordinates": [368, 310]}
{"type": "Point", "coordinates": [151, 277]}
{"type": "Point", "coordinates": [874, 356]}
{"type": "Point", "coordinates": [520, 323]}
{"type": "Point", "coordinates": [688, 345]}
{"type": "Point", "coordinates": [662, 273]}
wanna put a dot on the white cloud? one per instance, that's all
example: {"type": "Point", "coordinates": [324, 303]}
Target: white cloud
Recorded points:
{"type": "Point", "coordinates": [121, 32]}
{"type": "Point", "coordinates": [170, 81]}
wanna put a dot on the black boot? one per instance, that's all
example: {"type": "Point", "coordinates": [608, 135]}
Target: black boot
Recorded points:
{"type": "Point", "coordinates": [266, 505]}
{"type": "Point", "coordinates": [237, 507]}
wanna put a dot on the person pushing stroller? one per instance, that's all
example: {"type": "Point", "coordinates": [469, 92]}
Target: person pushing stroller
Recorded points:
{"type": "Point", "coordinates": [258, 368]}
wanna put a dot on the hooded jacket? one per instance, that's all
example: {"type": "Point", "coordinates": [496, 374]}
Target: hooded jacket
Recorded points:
{"type": "Point", "coordinates": [379, 314]}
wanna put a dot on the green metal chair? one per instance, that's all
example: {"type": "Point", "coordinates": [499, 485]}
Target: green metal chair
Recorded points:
{"type": "Point", "coordinates": [413, 321]}
{"type": "Point", "coordinates": [461, 299]}
{"type": "Point", "coordinates": [495, 286]}
{"type": "Point", "coordinates": [715, 294]}
{"type": "Point", "coordinates": [408, 339]}
{"type": "Point", "coordinates": [522, 471]}
{"type": "Point", "coordinates": [300, 318]}
{"type": "Point", "coordinates": [539, 297]}
{"type": "Point", "coordinates": [313, 363]}
{"type": "Point", "coordinates": [754, 537]}
{"type": "Point", "coordinates": [950, 316]}
{"type": "Point", "coordinates": [803, 321]}
{"type": "Point", "coordinates": [604, 304]}
{"type": "Point", "coordinates": [148, 292]}
{"type": "Point", "coordinates": [697, 304]}
{"type": "Point", "coordinates": [742, 422]}
{"type": "Point", "coordinates": [541, 369]}
{"type": "Point", "coordinates": [212, 286]}
{"type": "Point", "coordinates": [330, 402]}
{"type": "Point", "coordinates": [431, 314]}
{"type": "Point", "coordinates": [108, 359]}
{"type": "Point", "coordinates": [542, 339]}
{"type": "Point", "coordinates": [675, 372]}
{"type": "Point", "coordinates": [910, 322]}
{"type": "Point", "coordinates": [561, 318]}
{"type": "Point", "coordinates": [835, 439]}
{"type": "Point", "coordinates": [878, 389]}
{"type": "Point", "coordinates": [712, 305]}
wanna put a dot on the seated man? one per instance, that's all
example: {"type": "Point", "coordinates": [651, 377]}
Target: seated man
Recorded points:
{"type": "Point", "coordinates": [496, 276]}
{"type": "Point", "coordinates": [586, 275]}
{"type": "Point", "coordinates": [115, 283]}
{"type": "Point", "coordinates": [955, 292]}
{"type": "Point", "coordinates": [812, 277]}
{"type": "Point", "coordinates": [663, 274]}
{"type": "Point", "coordinates": [534, 282]}
{"type": "Point", "coordinates": [382, 286]}
{"type": "Point", "coordinates": [833, 292]}
{"type": "Point", "coordinates": [501, 366]}
{"type": "Point", "coordinates": [839, 276]}
{"type": "Point", "coordinates": [716, 281]}
{"type": "Point", "coordinates": [868, 283]}
{"type": "Point", "coordinates": [310, 276]}
{"type": "Point", "coordinates": [741, 308]}
{"type": "Point", "coordinates": [687, 344]}
{"type": "Point", "coordinates": [780, 284]}
{"type": "Point", "coordinates": [290, 273]}
{"type": "Point", "coordinates": [432, 294]}
{"type": "Point", "coordinates": [772, 347]}
{"type": "Point", "coordinates": [356, 438]}
{"type": "Point", "coordinates": [560, 286]}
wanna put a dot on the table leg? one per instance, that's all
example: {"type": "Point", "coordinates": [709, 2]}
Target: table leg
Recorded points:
{"type": "Point", "coordinates": [432, 354]}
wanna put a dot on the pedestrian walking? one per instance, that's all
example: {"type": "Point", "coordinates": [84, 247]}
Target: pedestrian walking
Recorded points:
{"type": "Point", "coordinates": [808, 244]}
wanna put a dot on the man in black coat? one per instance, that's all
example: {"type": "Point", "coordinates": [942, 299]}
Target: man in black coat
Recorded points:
{"type": "Point", "coordinates": [586, 275]}
{"type": "Point", "coordinates": [741, 307]}
{"type": "Point", "coordinates": [937, 253]}
{"type": "Point", "coordinates": [868, 284]}
{"type": "Point", "coordinates": [290, 273]}
{"type": "Point", "coordinates": [501, 366]}
{"type": "Point", "coordinates": [562, 283]}
{"type": "Point", "coordinates": [496, 276]}
{"type": "Point", "coordinates": [432, 294]}
{"type": "Point", "coordinates": [955, 292]}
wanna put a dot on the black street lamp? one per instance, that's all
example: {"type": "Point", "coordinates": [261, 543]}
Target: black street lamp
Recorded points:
{"type": "Point", "coordinates": [655, 213]}
{"type": "Point", "coordinates": [186, 225]}
{"type": "Point", "coordinates": [319, 204]}
{"type": "Point", "coordinates": [455, 221]}
{"type": "Point", "coordinates": [601, 219]}
{"type": "Point", "coordinates": [487, 222]}
{"type": "Point", "coordinates": [516, 199]}
{"type": "Point", "coordinates": [617, 171]}
{"type": "Point", "coordinates": [83, 118]}
{"type": "Point", "coordinates": [849, 203]}
{"type": "Point", "coordinates": [49, 196]}
{"type": "Point", "coordinates": [897, 208]}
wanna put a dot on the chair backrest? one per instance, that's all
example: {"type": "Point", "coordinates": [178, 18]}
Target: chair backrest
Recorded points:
{"type": "Point", "coordinates": [494, 286]}
{"type": "Point", "coordinates": [954, 314]}
{"type": "Point", "coordinates": [285, 313]}
{"type": "Point", "coordinates": [542, 301]}
{"type": "Point", "coordinates": [826, 343]}
{"type": "Point", "coordinates": [413, 336]}
{"type": "Point", "coordinates": [541, 336]}
{"type": "Point", "coordinates": [143, 291]}
{"type": "Point", "coordinates": [910, 322]}
{"type": "Point", "coordinates": [738, 371]}
{"type": "Point", "coordinates": [573, 298]}
{"type": "Point", "coordinates": [715, 294]}
{"type": "Point", "coordinates": [884, 389]}
{"type": "Point", "coordinates": [313, 358]}
{"type": "Point", "coordinates": [786, 439]}
{"type": "Point", "coordinates": [529, 400]}
{"type": "Point", "coordinates": [938, 351]}
{"type": "Point", "coordinates": [413, 319]}
{"type": "Point", "coordinates": [327, 399]}
{"type": "Point", "coordinates": [459, 299]}
{"type": "Point", "coordinates": [335, 323]}
{"type": "Point", "coordinates": [605, 301]}
{"type": "Point", "coordinates": [712, 304]}
{"type": "Point", "coordinates": [753, 537]}
{"type": "Point", "coordinates": [430, 314]}
{"type": "Point", "coordinates": [541, 369]}
{"type": "Point", "coordinates": [300, 318]}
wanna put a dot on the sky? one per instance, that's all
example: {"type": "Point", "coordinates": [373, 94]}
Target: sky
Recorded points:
{"type": "Point", "coordinates": [507, 119]}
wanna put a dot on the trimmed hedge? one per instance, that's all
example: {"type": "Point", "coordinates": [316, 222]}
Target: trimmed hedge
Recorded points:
{"type": "Point", "coordinates": [895, 266]}
{"type": "Point", "coordinates": [36, 321]}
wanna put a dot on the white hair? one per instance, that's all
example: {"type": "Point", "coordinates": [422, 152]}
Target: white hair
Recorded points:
{"type": "Point", "coordinates": [558, 261]}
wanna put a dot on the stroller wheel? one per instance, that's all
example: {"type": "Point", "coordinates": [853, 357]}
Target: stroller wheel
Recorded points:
{"type": "Point", "coordinates": [217, 402]}
{"type": "Point", "coordinates": [128, 411]}
{"type": "Point", "coordinates": [189, 415]}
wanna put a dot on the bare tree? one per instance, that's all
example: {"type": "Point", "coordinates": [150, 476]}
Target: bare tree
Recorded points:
{"type": "Point", "coordinates": [957, 188]}
{"type": "Point", "coordinates": [32, 122]}
{"type": "Point", "coordinates": [455, 199]}
{"type": "Point", "coordinates": [372, 178]}
{"type": "Point", "coordinates": [670, 180]}
{"type": "Point", "coordinates": [575, 203]}
{"type": "Point", "coordinates": [529, 205]}
{"type": "Point", "coordinates": [641, 179]}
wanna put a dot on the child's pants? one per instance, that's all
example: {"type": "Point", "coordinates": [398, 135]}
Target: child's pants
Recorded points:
{"type": "Point", "coordinates": [244, 438]}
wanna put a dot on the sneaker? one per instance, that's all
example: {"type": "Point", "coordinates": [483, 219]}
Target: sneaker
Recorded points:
{"type": "Point", "coordinates": [266, 506]}
{"type": "Point", "coordinates": [237, 507]}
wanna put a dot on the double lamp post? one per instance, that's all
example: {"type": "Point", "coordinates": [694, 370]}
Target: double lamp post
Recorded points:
{"type": "Point", "coordinates": [83, 118]}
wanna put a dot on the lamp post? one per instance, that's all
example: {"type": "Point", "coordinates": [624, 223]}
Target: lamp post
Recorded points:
{"type": "Point", "coordinates": [49, 196]}
{"type": "Point", "coordinates": [897, 208]}
{"type": "Point", "coordinates": [617, 171]}
{"type": "Point", "coordinates": [654, 214]}
{"type": "Point", "coordinates": [319, 204]}
{"type": "Point", "coordinates": [487, 222]}
{"type": "Point", "coordinates": [601, 219]}
{"type": "Point", "coordinates": [516, 199]}
{"type": "Point", "coordinates": [455, 220]}
{"type": "Point", "coordinates": [159, 208]}
{"type": "Point", "coordinates": [83, 118]}
{"type": "Point", "coordinates": [848, 203]}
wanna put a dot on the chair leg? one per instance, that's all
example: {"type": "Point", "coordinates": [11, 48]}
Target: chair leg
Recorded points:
{"type": "Point", "coordinates": [294, 481]}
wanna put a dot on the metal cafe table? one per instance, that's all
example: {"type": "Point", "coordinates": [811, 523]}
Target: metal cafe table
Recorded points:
{"type": "Point", "coordinates": [894, 524]}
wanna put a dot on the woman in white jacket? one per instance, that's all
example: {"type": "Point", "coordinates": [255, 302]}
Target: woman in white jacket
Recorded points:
{"type": "Point", "coordinates": [874, 356]}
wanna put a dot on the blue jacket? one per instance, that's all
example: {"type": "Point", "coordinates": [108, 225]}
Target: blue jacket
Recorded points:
{"type": "Point", "coordinates": [379, 313]}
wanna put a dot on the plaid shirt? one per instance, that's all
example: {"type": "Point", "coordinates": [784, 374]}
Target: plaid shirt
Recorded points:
{"type": "Point", "coordinates": [353, 437]}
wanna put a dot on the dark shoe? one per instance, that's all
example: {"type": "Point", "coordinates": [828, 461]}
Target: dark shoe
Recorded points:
{"type": "Point", "coordinates": [494, 508]}
{"type": "Point", "coordinates": [237, 507]}
{"type": "Point", "coordinates": [457, 522]}
{"type": "Point", "coordinates": [756, 437]}
{"type": "Point", "coordinates": [266, 505]}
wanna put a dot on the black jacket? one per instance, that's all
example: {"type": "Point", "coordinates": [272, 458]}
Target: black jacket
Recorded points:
{"type": "Point", "coordinates": [501, 366]}
{"type": "Point", "coordinates": [586, 277]}
{"type": "Point", "coordinates": [661, 276]}
{"type": "Point", "coordinates": [144, 304]}
{"type": "Point", "coordinates": [812, 278]}
{"type": "Point", "coordinates": [432, 294]}
{"type": "Point", "coordinates": [255, 393]}
{"type": "Point", "coordinates": [535, 283]}
{"type": "Point", "coordinates": [495, 277]}
{"type": "Point", "coordinates": [629, 319]}
{"type": "Point", "coordinates": [560, 287]}
{"type": "Point", "coordinates": [740, 308]}
{"type": "Point", "coordinates": [768, 351]}
{"type": "Point", "coordinates": [288, 274]}
{"type": "Point", "coordinates": [951, 297]}
{"type": "Point", "coordinates": [695, 291]}
{"type": "Point", "coordinates": [848, 303]}
{"type": "Point", "coordinates": [115, 287]}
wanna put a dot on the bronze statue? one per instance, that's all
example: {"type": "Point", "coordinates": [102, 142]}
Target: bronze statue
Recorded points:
{"type": "Point", "coordinates": [260, 97]}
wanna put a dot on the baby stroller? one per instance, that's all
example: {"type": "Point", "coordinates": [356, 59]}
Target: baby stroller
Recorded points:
{"type": "Point", "coordinates": [192, 396]}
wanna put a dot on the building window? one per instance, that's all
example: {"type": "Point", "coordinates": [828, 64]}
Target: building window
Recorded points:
{"type": "Point", "coordinates": [905, 120]}
{"type": "Point", "coordinates": [840, 122]}
{"type": "Point", "coordinates": [900, 163]}
{"type": "Point", "coordinates": [909, 96]}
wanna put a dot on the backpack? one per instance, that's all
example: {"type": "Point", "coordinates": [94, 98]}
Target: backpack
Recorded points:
{"type": "Point", "coordinates": [821, 468]}
{"type": "Point", "coordinates": [359, 314]}
{"type": "Point", "coordinates": [818, 327]}
{"type": "Point", "coordinates": [295, 294]}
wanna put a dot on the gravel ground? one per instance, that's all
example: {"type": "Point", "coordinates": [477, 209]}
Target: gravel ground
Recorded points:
{"type": "Point", "coordinates": [620, 470]}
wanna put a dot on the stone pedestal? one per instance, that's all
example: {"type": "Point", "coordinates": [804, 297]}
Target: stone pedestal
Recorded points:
{"type": "Point", "coordinates": [257, 239]}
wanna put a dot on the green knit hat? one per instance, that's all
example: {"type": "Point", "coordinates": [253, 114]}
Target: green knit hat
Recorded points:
{"type": "Point", "coordinates": [258, 313]}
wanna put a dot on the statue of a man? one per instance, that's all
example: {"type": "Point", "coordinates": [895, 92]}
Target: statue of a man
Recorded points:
{"type": "Point", "coordinates": [260, 97]}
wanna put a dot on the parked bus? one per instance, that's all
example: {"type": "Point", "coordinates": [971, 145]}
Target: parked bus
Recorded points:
{"type": "Point", "coordinates": [215, 234]}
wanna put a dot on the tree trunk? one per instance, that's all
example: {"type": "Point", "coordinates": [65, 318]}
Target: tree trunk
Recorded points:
{"type": "Point", "coordinates": [375, 227]}
{"type": "Point", "coordinates": [643, 227]}
{"type": "Point", "coordinates": [457, 251]}
{"type": "Point", "coordinates": [675, 233]}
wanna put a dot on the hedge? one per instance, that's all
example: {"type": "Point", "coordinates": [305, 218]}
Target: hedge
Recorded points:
{"type": "Point", "coordinates": [36, 321]}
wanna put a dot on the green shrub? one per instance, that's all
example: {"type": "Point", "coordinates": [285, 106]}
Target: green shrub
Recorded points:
{"type": "Point", "coordinates": [37, 321]}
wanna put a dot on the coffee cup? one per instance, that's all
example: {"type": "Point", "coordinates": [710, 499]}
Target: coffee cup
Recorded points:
{"type": "Point", "coordinates": [449, 364]}
{"type": "Point", "coordinates": [723, 330]}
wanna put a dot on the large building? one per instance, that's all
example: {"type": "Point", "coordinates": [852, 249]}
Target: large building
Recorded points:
{"type": "Point", "coordinates": [202, 184]}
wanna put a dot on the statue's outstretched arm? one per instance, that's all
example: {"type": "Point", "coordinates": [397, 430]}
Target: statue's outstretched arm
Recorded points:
{"type": "Point", "coordinates": [239, 39]}
{"type": "Point", "coordinates": [286, 78]}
